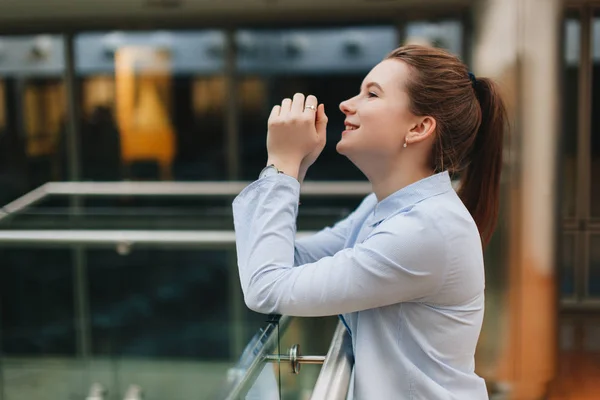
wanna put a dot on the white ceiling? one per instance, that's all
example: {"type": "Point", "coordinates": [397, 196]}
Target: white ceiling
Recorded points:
{"type": "Point", "coordinates": [13, 12]}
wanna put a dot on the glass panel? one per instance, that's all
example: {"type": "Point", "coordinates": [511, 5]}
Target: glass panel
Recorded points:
{"type": "Point", "coordinates": [171, 322]}
{"type": "Point", "coordinates": [154, 103]}
{"type": "Point", "coordinates": [567, 267]}
{"type": "Point", "coordinates": [256, 374]}
{"type": "Point", "coordinates": [33, 108]}
{"type": "Point", "coordinates": [313, 335]}
{"type": "Point", "coordinates": [267, 384]}
{"type": "Point", "coordinates": [595, 139]}
{"type": "Point", "coordinates": [572, 51]}
{"type": "Point", "coordinates": [37, 327]}
{"type": "Point", "coordinates": [593, 283]}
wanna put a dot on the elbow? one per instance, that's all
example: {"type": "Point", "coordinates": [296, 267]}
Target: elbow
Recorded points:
{"type": "Point", "coordinates": [258, 303]}
{"type": "Point", "coordinates": [264, 291]}
{"type": "Point", "coordinates": [260, 298]}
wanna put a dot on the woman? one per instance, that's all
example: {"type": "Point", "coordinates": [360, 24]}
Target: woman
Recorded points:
{"type": "Point", "coordinates": [405, 269]}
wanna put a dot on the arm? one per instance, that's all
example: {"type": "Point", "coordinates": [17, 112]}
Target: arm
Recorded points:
{"type": "Point", "coordinates": [402, 261]}
{"type": "Point", "coordinates": [330, 240]}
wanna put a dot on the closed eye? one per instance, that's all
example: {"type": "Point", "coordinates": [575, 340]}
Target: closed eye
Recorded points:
{"type": "Point", "coordinates": [371, 94]}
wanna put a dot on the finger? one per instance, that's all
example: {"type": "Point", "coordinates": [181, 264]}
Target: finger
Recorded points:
{"type": "Point", "coordinates": [310, 105]}
{"type": "Point", "coordinates": [275, 112]}
{"type": "Point", "coordinates": [286, 105]}
{"type": "Point", "coordinates": [321, 120]}
{"type": "Point", "coordinates": [298, 104]}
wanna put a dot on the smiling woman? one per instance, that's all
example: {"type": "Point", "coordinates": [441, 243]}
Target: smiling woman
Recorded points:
{"type": "Point", "coordinates": [408, 262]}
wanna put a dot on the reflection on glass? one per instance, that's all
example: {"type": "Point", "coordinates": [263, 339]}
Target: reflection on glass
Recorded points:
{"type": "Point", "coordinates": [12, 154]}
{"type": "Point", "coordinates": [156, 110]}
{"type": "Point", "coordinates": [99, 140]}
{"type": "Point", "coordinates": [570, 119]}
{"type": "Point", "coordinates": [44, 115]}
{"type": "Point", "coordinates": [567, 267]}
{"type": "Point", "coordinates": [201, 152]}
{"type": "Point", "coordinates": [143, 90]}
{"type": "Point", "coordinates": [593, 284]}
{"type": "Point", "coordinates": [31, 134]}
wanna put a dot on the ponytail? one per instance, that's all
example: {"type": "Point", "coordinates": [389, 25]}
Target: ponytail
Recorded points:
{"type": "Point", "coordinates": [480, 181]}
{"type": "Point", "coordinates": [471, 119]}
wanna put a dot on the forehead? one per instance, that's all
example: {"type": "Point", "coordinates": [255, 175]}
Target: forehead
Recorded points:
{"type": "Point", "coordinates": [389, 73]}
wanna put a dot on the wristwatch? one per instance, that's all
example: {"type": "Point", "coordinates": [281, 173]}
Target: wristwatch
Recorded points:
{"type": "Point", "coordinates": [269, 170]}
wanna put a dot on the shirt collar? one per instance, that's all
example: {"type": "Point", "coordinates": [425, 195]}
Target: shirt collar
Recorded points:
{"type": "Point", "coordinates": [410, 195]}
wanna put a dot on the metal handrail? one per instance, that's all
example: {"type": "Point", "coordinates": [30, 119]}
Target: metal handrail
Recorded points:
{"type": "Point", "coordinates": [195, 239]}
{"type": "Point", "coordinates": [334, 380]}
{"type": "Point", "coordinates": [180, 189]}
{"type": "Point", "coordinates": [226, 188]}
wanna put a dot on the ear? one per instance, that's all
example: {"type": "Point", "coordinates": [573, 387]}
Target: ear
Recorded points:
{"type": "Point", "coordinates": [422, 130]}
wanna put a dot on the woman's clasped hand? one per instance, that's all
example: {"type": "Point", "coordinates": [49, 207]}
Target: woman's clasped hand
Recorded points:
{"type": "Point", "coordinates": [296, 134]}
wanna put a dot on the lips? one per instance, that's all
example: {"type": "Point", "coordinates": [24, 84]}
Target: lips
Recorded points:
{"type": "Point", "coordinates": [350, 127]}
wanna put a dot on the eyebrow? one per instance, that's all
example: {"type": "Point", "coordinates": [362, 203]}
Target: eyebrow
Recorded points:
{"type": "Point", "coordinates": [373, 84]}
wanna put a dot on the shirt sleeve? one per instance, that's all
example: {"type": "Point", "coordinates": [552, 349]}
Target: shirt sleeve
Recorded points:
{"type": "Point", "coordinates": [330, 240]}
{"type": "Point", "coordinates": [402, 260]}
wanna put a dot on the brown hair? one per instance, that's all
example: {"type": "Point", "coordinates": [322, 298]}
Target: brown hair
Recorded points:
{"type": "Point", "coordinates": [471, 119]}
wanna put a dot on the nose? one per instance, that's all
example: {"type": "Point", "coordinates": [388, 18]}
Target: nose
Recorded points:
{"type": "Point", "coordinates": [347, 106]}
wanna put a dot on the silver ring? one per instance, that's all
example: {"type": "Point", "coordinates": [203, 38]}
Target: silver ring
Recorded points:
{"type": "Point", "coordinates": [311, 107]}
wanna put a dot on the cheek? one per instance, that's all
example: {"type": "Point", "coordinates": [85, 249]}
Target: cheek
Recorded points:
{"type": "Point", "coordinates": [386, 126]}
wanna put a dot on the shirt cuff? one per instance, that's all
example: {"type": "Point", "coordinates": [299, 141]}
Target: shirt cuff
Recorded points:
{"type": "Point", "coordinates": [269, 183]}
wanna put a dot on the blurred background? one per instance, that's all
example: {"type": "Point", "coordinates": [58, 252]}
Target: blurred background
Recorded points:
{"type": "Point", "coordinates": [127, 127]}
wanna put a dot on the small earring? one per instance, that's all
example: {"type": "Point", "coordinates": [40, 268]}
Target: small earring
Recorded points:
{"type": "Point", "coordinates": [405, 143]}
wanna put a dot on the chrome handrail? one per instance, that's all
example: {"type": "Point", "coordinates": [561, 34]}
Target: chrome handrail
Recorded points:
{"type": "Point", "coordinates": [197, 239]}
{"type": "Point", "coordinates": [175, 189]}
{"type": "Point", "coordinates": [208, 188]}
{"type": "Point", "coordinates": [334, 380]}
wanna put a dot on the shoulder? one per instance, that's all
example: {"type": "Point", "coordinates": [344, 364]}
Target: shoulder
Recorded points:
{"type": "Point", "coordinates": [438, 230]}
{"type": "Point", "coordinates": [366, 205]}
{"type": "Point", "coordinates": [414, 225]}
{"type": "Point", "coordinates": [413, 238]}
{"type": "Point", "coordinates": [447, 214]}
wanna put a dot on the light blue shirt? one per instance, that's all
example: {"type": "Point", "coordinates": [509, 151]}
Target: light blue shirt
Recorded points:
{"type": "Point", "coordinates": [406, 274]}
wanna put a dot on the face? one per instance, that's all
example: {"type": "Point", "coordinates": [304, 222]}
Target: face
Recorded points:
{"type": "Point", "coordinates": [378, 118]}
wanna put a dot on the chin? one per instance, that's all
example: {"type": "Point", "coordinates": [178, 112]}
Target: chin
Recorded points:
{"type": "Point", "coordinates": [342, 148]}
{"type": "Point", "coordinates": [345, 145]}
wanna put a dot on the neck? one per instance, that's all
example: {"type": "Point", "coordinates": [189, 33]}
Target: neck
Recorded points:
{"type": "Point", "coordinates": [389, 177]}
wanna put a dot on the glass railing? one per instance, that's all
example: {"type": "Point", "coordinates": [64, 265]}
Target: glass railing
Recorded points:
{"type": "Point", "coordinates": [292, 374]}
{"type": "Point", "coordinates": [131, 290]}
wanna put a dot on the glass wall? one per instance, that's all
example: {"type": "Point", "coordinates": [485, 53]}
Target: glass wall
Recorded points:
{"type": "Point", "coordinates": [32, 116]}
{"type": "Point", "coordinates": [154, 103]}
